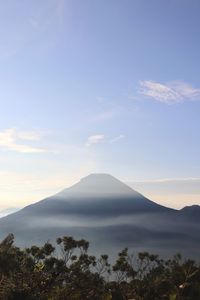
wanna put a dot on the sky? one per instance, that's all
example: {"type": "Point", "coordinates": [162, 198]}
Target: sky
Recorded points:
{"type": "Point", "coordinates": [93, 86]}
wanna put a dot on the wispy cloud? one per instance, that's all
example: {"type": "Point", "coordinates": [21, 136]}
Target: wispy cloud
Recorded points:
{"type": "Point", "coordinates": [170, 180]}
{"type": "Point", "coordinates": [48, 14]}
{"type": "Point", "coordinates": [34, 23]}
{"type": "Point", "coordinates": [60, 10]}
{"type": "Point", "coordinates": [98, 138]}
{"type": "Point", "coordinates": [117, 138]}
{"type": "Point", "coordinates": [171, 192]}
{"type": "Point", "coordinates": [13, 139]}
{"type": "Point", "coordinates": [95, 139]}
{"type": "Point", "coordinates": [170, 93]}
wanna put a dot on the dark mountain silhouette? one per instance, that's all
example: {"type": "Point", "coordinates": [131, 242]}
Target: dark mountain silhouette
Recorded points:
{"type": "Point", "coordinates": [191, 212]}
{"type": "Point", "coordinates": [97, 195]}
{"type": "Point", "coordinates": [108, 213]}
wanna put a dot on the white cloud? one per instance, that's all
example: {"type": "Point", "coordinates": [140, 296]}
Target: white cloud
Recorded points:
{"type": "Point", "coordinates": [95, 139]}
{"type": "Point", "coordinates": [117, 138]}
{"type": "Point", "coordinates": [170, 93]}
{"type": "Point", "coordinates": [12, 139]}
{"type": "Point", "coordinates": [27, 135]}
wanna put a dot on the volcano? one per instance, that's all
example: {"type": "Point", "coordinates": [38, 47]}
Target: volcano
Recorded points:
{"type": "Point", "coordinates": [109, 214]}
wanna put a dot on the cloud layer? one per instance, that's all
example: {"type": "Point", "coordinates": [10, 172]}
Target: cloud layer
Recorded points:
{"type": "Point", "coordinates": [171, 192]}
{"type": "Point", "coordinates": [170, 93]}
{"type": "Point", "coordinates": [14, 140]}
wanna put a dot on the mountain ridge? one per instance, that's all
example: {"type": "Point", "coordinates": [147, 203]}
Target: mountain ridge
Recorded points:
{"type": "Point", "coordinates": [101, 207]}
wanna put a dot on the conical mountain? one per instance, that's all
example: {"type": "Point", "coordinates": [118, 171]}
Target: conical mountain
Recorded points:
{"type": "Point", "coordinates": [99, 185]}
{"type": "Point", "coordinates": [99, 195]}
{"type": "Point", "coordinates": [108, 213]}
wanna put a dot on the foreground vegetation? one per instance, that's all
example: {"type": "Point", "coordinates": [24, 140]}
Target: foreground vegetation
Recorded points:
{"type": "Point", "coordinates": [70, 273]}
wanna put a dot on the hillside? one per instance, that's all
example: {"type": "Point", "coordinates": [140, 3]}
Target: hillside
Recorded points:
{"type": "Point", "coordinates": [105, 211]}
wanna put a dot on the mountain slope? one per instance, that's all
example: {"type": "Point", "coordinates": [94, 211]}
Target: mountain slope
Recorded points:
{"type": "Point", "coordinates": [103, 210]}
{"type": "Point", "coordinates": [95, 195]}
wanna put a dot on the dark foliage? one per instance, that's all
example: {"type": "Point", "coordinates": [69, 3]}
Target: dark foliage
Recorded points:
{"type": "Point", "coordinates": [68, 272]}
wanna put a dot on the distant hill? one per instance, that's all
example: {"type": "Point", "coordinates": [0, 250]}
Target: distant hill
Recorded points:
{"type": "Point", "coordinates": [111, 215]}
{"type": "Point", "coordinates": [191, 212]}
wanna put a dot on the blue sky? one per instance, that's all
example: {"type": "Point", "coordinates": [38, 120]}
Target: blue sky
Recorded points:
{"type": "Point", "coordinates": [98, 86]}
